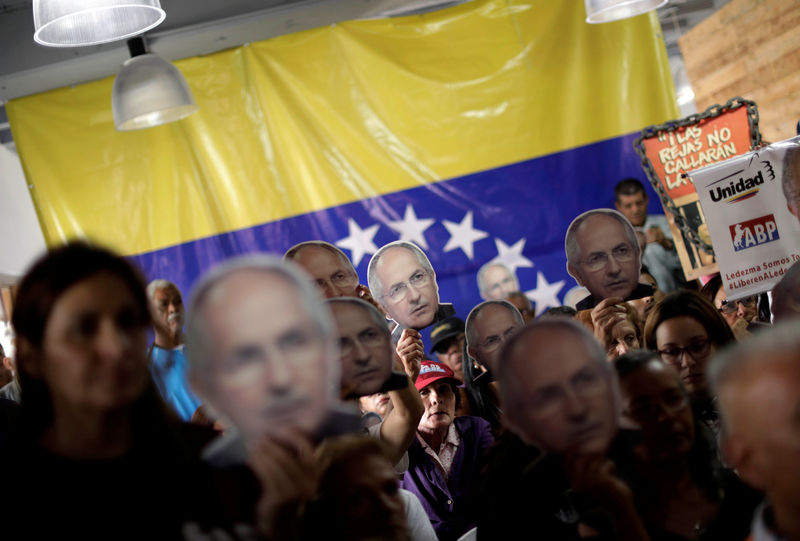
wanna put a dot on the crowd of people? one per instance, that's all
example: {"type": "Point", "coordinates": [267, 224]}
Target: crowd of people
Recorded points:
{"type": "Point", "coordinates": [290, 401]}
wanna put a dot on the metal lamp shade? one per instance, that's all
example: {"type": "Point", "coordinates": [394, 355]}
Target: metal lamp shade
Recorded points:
{"type": "Point", "coordinates": [149, 91]}
{"type": "Point", "coordinates": [75, 23]}
{"type": "Point", "coordinates": [605, 11]}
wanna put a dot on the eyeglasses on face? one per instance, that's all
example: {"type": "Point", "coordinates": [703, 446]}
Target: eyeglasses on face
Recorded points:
{"type": "Point", "coordinates": [369, 338]}
{"type": "Point", "coordinates": [729, 307]}
{"type": "Point", "coordinates": [339, 279]}
{"type": "Point", "coordinates": [696, 350]}
{"type": "Point", "coordinates": [598, 260]}
{"type": "Point", "coordinates": [399, 291]}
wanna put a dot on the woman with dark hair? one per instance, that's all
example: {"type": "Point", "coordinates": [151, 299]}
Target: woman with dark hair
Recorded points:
{"type": "Point", "coordinates": [682, 491]}
{"type": "Point", "coordinates": [95, 452]}
{"type": "Point", "coordinates": [686, 330]}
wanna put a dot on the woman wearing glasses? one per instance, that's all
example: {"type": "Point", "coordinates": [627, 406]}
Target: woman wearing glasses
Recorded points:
{"type": "Point", "coordinates": [742, 314]}
{"type": "Point", "coordinates": [686, 330]}
{"type": "Point", "coordinates": [682, 490]}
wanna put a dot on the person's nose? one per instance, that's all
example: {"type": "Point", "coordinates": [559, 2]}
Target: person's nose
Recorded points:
{"type": "Point", "coordinates": [111, 341]}
{"type": "Point", "coordinates": [433, 397]}
{"type": "Point", "coordinates": [361, 354]}
{"type": "Point", "coordinates": [576, 406]}
{"type": "Point", "coordinates": [622, 348]}
{"type": "Point", "coordinates": [613, 266]}
{"type": "Point", "coordinates": [278, 375]}
{"type": "Point", "coordinates": [686, 359]}
{"type": "Point", "coordinates": [414, 294]}
{"type": "Point", "coordinates": [740, 311]}
{"type": "Point", "coordinates": [328, 289]}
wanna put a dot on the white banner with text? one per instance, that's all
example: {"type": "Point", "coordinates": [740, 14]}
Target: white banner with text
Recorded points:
{"type": "Point", "coordinates": [751, 207]}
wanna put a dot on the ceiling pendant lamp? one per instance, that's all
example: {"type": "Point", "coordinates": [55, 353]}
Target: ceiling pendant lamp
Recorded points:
{"type": "Point", "coordinates": [149, 91]}
{"type": "Point", "coordinates": [75, 23]}
{"type": "Point", "coordinates": [605, 11]}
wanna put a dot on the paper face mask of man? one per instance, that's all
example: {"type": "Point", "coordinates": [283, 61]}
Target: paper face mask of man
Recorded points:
{"type": "Point", "coordinates": [365, 347]}
{"type": "Point", "coordinates": [261, 347]}
{"type": "Point", "coordinates": [603, 254]}
{"type": "Point", "coordinates": [403, 282]}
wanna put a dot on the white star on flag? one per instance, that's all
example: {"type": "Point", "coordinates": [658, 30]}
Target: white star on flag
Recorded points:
{"type": "Point", "coordinates": [359, 241]}
{"type": "Point", "coordinates": [545, 295]}
{"type": "Point", "coordinates": [511, 256]}
{"type": "Point", "coordinates": [463, 235]}
{"type": "Point", "coordinates": [412, 228]}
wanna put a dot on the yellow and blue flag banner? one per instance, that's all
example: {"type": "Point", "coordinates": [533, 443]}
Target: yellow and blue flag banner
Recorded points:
{"type": "Point", "coordinates": [477, 132]}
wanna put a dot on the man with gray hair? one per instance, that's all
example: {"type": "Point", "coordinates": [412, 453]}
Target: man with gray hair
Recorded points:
{"type": "Point", "coordinates": [560, 396]}
{"type": "Point", "coordinates": [328, 267]}
{"type": "Point", "coordinates": [262, 348]}
{"type": "Point", "coordinates": [757, 383]}
{"type": "Point", "coordinates": [403, 282]}
{"type": "Point", "coordinates": [489, 325]}
{"type": "Point", "coordinates": [166, 355]}
{"type": "Point", "coordinates": [496, 280]}
{"type": "Point", "coordinates": [603, 255]}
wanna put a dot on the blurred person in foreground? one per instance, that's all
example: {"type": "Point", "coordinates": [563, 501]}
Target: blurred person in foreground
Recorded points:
{"type": "Point", "coordinates": [560, 397]}
{"type": "Point", "coordinates": [758, 384]}
{"type": "Point", "coordinates": [358, 496]}
{"type": "Point", "coordinates": [786, 296]}
{"type": "Point", "coordinates": [682, 491]}
{"type": "Point", "coordinates": [262, 353]}
{"type": "Point", "coordinates": [96, 453]}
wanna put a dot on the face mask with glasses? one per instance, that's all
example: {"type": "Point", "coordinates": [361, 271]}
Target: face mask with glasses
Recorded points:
{"type": "Point", "coordinates": [399, 291]}
{"type": "Point", "coordinates": [598, 260]}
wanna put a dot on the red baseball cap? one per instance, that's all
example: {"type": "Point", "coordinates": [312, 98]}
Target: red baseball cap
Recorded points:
{"type": "Point", "coordinates": [430, 371]}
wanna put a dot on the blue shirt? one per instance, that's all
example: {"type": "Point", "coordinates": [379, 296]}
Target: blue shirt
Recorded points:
{"type": "Point", "coordinates": [168, 368]}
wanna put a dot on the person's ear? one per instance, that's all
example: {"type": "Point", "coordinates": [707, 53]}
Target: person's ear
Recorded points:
{"type": "Point", "coordinates": [617, 205]}
{"type": "Point", "coordinates": [28, 355]}
{"type": "Point", "coordinates": [743, 460]}
{"type": "Point", "coordinates": [10, 365]}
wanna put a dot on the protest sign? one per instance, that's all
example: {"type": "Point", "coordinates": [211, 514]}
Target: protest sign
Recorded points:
{"type": "Point", "coordinates": [670, 150]}
{"type": "Point", "coordinates": [750, 203]}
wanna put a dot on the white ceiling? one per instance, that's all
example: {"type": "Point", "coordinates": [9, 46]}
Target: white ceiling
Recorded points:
{"type": "Point", "coordinates": [197, 27]}
{"type": "Point", "coordinates": [192, 27]}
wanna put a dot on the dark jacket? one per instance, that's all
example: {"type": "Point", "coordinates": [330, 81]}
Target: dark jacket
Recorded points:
{"type": "Point", "coordinates": [451, 505]}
